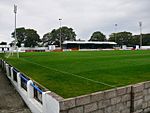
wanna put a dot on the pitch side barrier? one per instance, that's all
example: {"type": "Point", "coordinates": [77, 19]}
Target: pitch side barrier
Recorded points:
{"type": "Point", "coordinates": [37, 98]}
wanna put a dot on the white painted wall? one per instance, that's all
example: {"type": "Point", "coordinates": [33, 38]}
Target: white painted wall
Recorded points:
{"type": "Point", "coordinates": [51, 47]}
{"type": "Point", "coordinates": [50, 104]}
{"type": "Point", "coordinates": [145, 47]}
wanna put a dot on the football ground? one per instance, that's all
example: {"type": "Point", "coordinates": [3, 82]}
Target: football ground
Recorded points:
{"type": "Point", "coordinates": [71, 74]}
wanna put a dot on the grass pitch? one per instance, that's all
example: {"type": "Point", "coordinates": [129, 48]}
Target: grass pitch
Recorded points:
{"type": "Point", "coordinates": [72, 74]}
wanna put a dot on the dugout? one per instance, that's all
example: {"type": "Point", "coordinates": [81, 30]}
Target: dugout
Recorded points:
{"type": "Point", "coordinates": [87, 45]}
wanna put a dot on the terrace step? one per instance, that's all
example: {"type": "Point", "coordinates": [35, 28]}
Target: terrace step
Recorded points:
{"type": "Point", "coordinates": [10, 100]}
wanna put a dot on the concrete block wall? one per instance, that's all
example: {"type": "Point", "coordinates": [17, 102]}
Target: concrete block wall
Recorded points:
{"type": "Point", "coordinates": [110, 101]}
{"type": "Point", "coordinates": [129, 99]}
{"type": "Point", "coordinates": [141, 98]}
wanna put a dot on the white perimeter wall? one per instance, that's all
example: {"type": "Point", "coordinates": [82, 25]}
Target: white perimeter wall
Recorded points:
{"type": "Point", "coordinates": [49, 103]}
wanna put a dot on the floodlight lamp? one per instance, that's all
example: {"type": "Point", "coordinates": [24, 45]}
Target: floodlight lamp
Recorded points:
{"type": "Point", "coordinates": [140, 24]}
{"type": "Point", "coordinates": [15, 8]}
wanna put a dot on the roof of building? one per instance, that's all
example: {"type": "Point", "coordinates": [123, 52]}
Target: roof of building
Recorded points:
{"type": "Point", "coordinates": [88, 42]}
{"type": "Point", "coordinates": [4, 46]}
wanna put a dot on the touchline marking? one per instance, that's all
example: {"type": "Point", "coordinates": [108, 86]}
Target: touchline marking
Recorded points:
{"type": "Point", "coordinates": [98, 82]}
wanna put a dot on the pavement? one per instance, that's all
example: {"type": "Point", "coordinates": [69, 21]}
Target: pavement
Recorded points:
{"type": "Point", "coordinates": [10, 100]}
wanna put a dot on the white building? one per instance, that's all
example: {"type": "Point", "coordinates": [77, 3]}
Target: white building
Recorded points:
{"type": "Point", "coordinates": [4, 48]}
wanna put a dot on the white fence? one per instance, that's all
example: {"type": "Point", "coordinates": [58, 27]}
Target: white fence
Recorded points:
{"type": "Point", "coordinates": [38, 100]}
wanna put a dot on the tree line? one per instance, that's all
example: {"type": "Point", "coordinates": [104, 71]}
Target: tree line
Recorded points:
{"type": "Point", "coordinates": [30, 37]}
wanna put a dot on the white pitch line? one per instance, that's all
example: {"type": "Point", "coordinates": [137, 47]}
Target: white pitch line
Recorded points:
{"type": "Point", "coordinates": [98, 82]}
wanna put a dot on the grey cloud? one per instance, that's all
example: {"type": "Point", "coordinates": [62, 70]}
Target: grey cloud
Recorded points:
{"type": "Point", "coordinates": [85, 16]}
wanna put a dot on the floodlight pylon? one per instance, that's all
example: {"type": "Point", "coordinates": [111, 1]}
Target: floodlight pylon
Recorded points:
{"type": "Point", "coordinates": [14, 46]}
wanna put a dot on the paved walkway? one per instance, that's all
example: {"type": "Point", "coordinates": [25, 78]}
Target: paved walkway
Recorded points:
{"type": "Point", "coordinates": [10, 100]}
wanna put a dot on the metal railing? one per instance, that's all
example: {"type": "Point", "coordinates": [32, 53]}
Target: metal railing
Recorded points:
{"type": "Point", "coordinates": [24, 81]}
{"type": "Point", "coordinates": [34, 91]}
{"type": "Point", "coordinates": [0, 62]}
{"type": "Point", "coordinates": [9, 70]}
{"type": "Point", "coordinates": [4, 66]}
{"type": "Point", "coordinates": [15, 74]}
{"type": "Point", "coordinates": [37, 93]}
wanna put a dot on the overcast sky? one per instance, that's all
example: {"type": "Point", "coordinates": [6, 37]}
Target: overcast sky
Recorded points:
{"type": "Point", "coordinates": [84, 16]}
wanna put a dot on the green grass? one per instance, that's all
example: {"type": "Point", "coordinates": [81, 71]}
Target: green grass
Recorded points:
{"type": "Point", "coordinates": [60, 71]}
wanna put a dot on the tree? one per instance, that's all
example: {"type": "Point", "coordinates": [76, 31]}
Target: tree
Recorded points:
{"type": "Point", "coordinates": [53, 37]}
{"type": "Point", "coordinates": [28, 37]}
{"type": "Point", "coordinates": [136, 39]}
{"type": "Point", "coordinates": [3, 43]}
{"type": "Point", "coordinates": [145, 39]}
{"type": "Point", "coordinates": [20, 35]}
{"type": "Point", "coordinates": [122, 38]}
{"type": "Point", "coordinates": [46, 39]}
{"type": "Point", "coordinates": [98, 36]}
{"type": "Point", "coordinates": [32, 38]}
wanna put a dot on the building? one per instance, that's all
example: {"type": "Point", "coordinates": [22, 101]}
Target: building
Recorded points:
{"type": "Point", "coordinates": [79, 45]}
{"type": "Point", "coordinates": [4, 48]}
